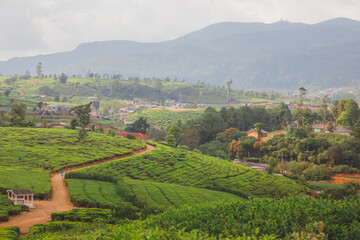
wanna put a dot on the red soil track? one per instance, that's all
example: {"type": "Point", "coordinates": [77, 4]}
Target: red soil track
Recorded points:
{"type": "Point", "coordinates": [343, 178]}
{"type": "Point", "coordinates": [60, 200]}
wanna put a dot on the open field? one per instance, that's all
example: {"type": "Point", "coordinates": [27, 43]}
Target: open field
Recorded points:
{"type": "Point", "coordinates": [170, 165]}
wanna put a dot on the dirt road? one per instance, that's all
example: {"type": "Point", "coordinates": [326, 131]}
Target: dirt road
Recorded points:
{"type": "Point", "coordinates": [60, 200]}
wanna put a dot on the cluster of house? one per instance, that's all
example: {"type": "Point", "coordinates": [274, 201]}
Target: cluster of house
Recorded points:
{"type": "Point", "coordinates": [54, 108]}
{"type": "Point", "coordinates": [148, 103]}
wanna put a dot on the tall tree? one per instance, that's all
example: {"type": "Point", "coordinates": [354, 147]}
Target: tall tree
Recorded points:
{"type": "Point", "coordinates": [246, 118]}
{"type": "Point", "coordinates": [176, 132]}
{"type": "Point", "coordinates": [141, 125]}
{"type": "Point", "coordinates": [325, 110]}
{"type": "Point", "coordinates": [210, 124]}
{"type": "Point", "coordinates": [83, 114]}
{"type": "Point", "coordinates": [302, 92]}
{"type": "Point", "coordinates": [259, 127]}
{"type": "Point", "coordinates": [350, 114]}
{"type": "Point", "coordinates": [39, 69]}
{"type": "Point", "coordinates": [228, 85]}
{"type": "Point", "coordinates": [63, 78]}
{"type": "Point", "coordinates": [18, 113]}
{"type": "Point", "coordinates": [27, 75]}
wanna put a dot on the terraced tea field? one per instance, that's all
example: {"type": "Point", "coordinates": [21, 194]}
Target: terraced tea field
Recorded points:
{"type": "Point", "coordinates": [36, 179]}
{"type": "Point", "coordinates": [54, 149]}
{"type": "Point", "coordinates": [170, 165]}
{"type": "Point", "coordinates": [28, 155]}
{"type": "Point", "coordinates": [7, 208]}
{"type": "Point", "coordinates": [93, 193]}
{"type": "Point", "coordinates": [169, 195]}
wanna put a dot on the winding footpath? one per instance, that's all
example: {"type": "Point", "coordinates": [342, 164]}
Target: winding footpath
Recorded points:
{"type": "Point", "coordinates": [60, 200]}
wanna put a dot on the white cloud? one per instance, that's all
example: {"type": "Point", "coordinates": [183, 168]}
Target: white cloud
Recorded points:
{"type": "Point", "coordinates": [45, 26]}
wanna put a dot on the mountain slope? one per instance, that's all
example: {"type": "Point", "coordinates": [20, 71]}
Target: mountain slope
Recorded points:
{"type": "Point", "coordinates": [281, 55]}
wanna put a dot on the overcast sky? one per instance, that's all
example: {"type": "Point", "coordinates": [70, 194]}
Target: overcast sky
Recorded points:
{"type": "Point", "coordinates": [32, 27]}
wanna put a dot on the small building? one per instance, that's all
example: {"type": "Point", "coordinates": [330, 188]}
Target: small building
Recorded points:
{"type": "Point", "coordinates": [336, 129]}
{"type": "Point", "coordinates": [254, 133]}
{"type": "Point", "coordinates": [24, 197]}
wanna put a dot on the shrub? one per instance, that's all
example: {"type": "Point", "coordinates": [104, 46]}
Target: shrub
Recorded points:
{"type": "Point", "coordinates": [129, 136]}
{"type": "Point", "coordinates": [317, 172]}
{"type": "Point", "coordinates": [254, 160]}
{"type": "Point", "coordinates": [10, 233]}
{"type": "Point", "coordinates": [82, 215]}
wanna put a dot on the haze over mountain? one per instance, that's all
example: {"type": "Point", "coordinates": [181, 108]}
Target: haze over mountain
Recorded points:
{"type": "Point", "coordinates": [281, 55]}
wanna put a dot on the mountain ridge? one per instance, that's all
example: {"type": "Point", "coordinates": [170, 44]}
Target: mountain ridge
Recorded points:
{"type": "Point", "coordinates": [279, 55]}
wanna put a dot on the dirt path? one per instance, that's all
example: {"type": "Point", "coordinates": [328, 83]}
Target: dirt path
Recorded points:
{"type": "Point", "coordinates": [60, 200]}
{"type": "Point", "coordinates": [342, 178]}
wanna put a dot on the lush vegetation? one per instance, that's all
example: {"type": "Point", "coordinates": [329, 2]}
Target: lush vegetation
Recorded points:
{"type": "Point", "coordinates": [268, 216]}
{"type": "Point", "coordinates": [9, 233]}
{"type": "Point", "coordinates": [287, 218]}
{"type": "Point", "coordinates": [36, 179]}
{"type": "Point", "coordinates": [7, 208]}
{"type": "Point", "coordinates": [83, 215]}
{"type": "Point", "coordinates": [117, 87]}
{"type": "Point", "coordinates": [54, 149]}
{"type": "Point", "coordinates": [172, 165]}
{"type": "Point", "coordinates": [163, 195]}
{"type": "Point", "coordinates": [93, 193]}
{"type": "Point", "coordinates": [30, 154]}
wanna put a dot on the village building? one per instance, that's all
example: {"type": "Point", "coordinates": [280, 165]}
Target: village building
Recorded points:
{"type": "Point", "coordinates": [324, 129]}
{"type": "Point", "coordinates": [254, 133]}
{"type": "Point", "coordinates": [21, 197]}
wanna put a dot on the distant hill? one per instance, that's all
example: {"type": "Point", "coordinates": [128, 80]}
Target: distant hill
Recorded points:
{"type": "Point", "coordinates": [280, 55]}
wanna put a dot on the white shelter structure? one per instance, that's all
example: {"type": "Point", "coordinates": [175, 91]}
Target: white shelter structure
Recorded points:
{"type": "Point", "coordinates": [25, 197]}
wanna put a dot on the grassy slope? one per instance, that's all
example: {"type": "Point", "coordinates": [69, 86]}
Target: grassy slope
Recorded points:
{"type": "Point", "coordinates": [171, 165]}
{"type": "Point", "coordinates": [36, 179]}
{"type": "Point", "coordinates": [30, 154]}
{"type": "Point", "coordinates": [54, 149]}
{"type": "Point", "coordinates": [93, 193]}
